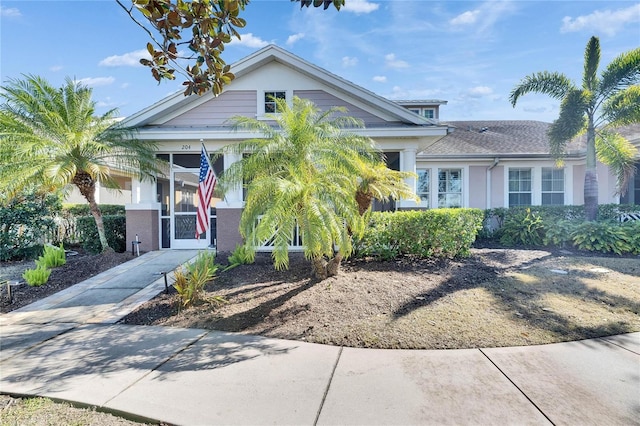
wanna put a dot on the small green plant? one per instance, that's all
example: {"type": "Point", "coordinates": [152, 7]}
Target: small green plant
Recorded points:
{"type": "Point", "coordinates": [52, 257]}
{"type": "Point", "coordinates": [526, 228]}
{"type": "Point", "coordinates": [604, 237]}
{"type": "Point", "coordinates": [189, 281]}
{"type": "Point", "coordinates": [558, 233]}
{"type": "Point", "coordinates": [36, 277]}
{"type": "Point", "coordinates": [240, 256]}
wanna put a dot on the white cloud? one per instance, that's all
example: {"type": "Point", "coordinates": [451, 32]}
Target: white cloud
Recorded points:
{"type": "Point", "coordinates": [607, 21]}
{"type": "Point", "coordinates": [479, 91]}
{"type": "Point", "coordinates": [392, 62]}
{"type": "Point", "coordinates": [10, 12]}
{"type": "Point", "coordinates": [484, 17]}
{"type": "Point", "coordinates": [55, 68]}
{"type": "Point", "coordinates": [360, 6]}
{"type": "Point", "coordinates": [380, 78]}
{"type": "Point", "coordinates": [97, 81]}
{"type": "Point", "coordinates": [249, 40]}
{"type": "Point", "coordinates": [466, 18]}
{"type": "Point", "coordinates": [293, 38]}
{"type": "Point", "coordinates": [348, 61]}
{"type": "Point", "coordinates": [131, 59]}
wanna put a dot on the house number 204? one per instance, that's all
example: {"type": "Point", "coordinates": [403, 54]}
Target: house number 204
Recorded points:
{"type": "Point", "coordinates": [186, 147]}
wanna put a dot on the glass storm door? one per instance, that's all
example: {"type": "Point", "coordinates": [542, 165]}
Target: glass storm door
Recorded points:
{"type": "Point", "coordinates": [183, 218]}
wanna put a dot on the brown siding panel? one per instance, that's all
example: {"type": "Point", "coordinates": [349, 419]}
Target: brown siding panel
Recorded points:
{"type": "Point", "coordinates": [216, 111]}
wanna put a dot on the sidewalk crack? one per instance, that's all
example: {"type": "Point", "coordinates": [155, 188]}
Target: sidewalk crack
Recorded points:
{"type": "Point", "coordinates": [326, 391]}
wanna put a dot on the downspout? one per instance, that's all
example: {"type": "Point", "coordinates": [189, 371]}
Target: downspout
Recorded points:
{"type": "Point", "coordinates": [495, 163]}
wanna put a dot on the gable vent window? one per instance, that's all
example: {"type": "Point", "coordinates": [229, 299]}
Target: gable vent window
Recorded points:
{"type": "Point", "coordinates": [270, 105]}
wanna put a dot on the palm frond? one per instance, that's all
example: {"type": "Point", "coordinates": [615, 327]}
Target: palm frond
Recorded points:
{"type": "Point", "coordinates": [619, 154]}
{"type": "Point", "coordinates": [591, 64]}
{"type": "Point", "coordinates": [622, 72]}
{"type": "Point", "coordinates": [623, 107]}
{"type": "Point", "coordinates": [552, 84]}
{"type": "Point", "coordinates": [571, 121]}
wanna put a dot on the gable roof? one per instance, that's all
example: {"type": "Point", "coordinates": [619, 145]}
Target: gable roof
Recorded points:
{"type": "Point", "coordinates": [269, 54]}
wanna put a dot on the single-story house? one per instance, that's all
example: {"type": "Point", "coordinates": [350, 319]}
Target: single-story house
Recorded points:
{"type": "Point", "coordinates": [459, 164]}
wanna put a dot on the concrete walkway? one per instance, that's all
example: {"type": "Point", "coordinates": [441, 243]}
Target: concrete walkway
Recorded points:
{"type": "Point", "coordinates": [69, 347]}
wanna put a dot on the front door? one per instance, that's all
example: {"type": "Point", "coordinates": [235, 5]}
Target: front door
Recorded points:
{"type": "Point", "coordinates": [184, 185]}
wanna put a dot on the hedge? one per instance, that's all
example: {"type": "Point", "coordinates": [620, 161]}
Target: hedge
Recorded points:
{"type": "Point", "coordinates": [115, 227]}
{"type": "Point", "coordinates": [425, 233]}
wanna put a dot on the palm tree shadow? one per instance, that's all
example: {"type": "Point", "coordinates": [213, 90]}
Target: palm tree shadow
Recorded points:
{"type": "Point", "coordinates": [522, 303]}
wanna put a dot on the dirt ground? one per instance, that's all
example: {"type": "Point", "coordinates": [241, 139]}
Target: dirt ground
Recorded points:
{"type": "Point", "coordinates": [496, 297]}
{"type": "Point", "coordinates": [79, 267]}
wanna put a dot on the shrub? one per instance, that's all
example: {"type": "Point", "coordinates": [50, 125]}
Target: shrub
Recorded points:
{"type": "Point", "coordinates": [524, 227]}
{"type": "Point", "coordinates": [37, 277]}
{"type": "Point", "coordinates": [604, 237]}
{"type": "Point", "coordinates": [189, 281]}
{"type": "Point", "coordinates": [240, 256]}
{"type": "Point", "coordinates": [558, 233]}
{"type": "Point", "coordinates": [632, 235]}
{"type": "Point", "coordinates": [25, 220]}
{"type": "Point", "coordinates": [52, 257]}
{"type": "Point", "coordinates": [115, 228]}
{"type": "Point", "coordinates": [423, 233]}
{"type": "Point", "coordinates": [105, 209]}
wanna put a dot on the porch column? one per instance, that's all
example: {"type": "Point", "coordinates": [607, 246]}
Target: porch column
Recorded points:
{"type": "Point", "coordinates": [408, 164]}
{"type": "Point", "coordinates": [143, 215]}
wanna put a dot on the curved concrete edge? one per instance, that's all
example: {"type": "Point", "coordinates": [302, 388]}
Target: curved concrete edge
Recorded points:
{"type": "Point", "coordinates": [189, 376]}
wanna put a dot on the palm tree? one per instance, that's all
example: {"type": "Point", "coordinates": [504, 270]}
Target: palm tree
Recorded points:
{"type": "Point", "coordinates": [378, 182]}
{"type": "Point", "coordinates": [302, 172]}
{"type": "Point", "coordinates": [601, 104]}
{"type": "Point", "coordinates": [51, 138]}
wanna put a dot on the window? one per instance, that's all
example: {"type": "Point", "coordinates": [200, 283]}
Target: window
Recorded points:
{"type": "Point", "coordinates": [450, 188]}
{"type": "Point", "coordinates": [552, 186]}
{"type": "Point", "coordinates": [519, 187]}
{"type": "Point", "coordinates": [270, 105]}
{"type": "Point", "coordinates": [425, 112]}
{"type": "Point", "coordinates": [423, 187]}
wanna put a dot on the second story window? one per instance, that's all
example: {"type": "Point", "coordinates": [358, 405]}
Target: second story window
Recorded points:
{"type": "Point", "coordinates": [270, 105]}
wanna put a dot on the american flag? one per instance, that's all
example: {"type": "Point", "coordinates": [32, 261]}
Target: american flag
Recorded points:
{"type": "Point", "coordinates": [207, 181]}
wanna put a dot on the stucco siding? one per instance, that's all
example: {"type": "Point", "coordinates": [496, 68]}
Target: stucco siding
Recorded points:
{"type": "Point", "coordinates": [216, 111]}
{"type": "Point", "coordinates": [478, 187]}
{"type": "Point", "coordinates": [497, 187]}
{"type": "Point", "coordinates": [326, 100]}
{"type": "Point", "coordinates": [145, 224]}
{"type": "Point", "coordinates": [228, 236]}
{"type": "Point", "coordinates": [578, 184]}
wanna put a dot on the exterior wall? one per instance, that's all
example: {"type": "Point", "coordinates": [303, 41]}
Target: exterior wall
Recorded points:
{"type": "Point", "coordinates": [217, 110]}
{"type": "Point", "coordinates": [497, 187]}
{"type": "Point", "coordinates": [578, 184]}
{"type": "Point", "coordinates": [104, 195]}
{"type": "Point", "coordinates": [478, 187]}
{"type": "Point", "coordinates": [228, 222]}
{"type": "Point", "coordinates": [145, 223]}
{"type": "Point", "coordinates": [325, 101]}
{"type": "Point", "coordinates": [606, 185]}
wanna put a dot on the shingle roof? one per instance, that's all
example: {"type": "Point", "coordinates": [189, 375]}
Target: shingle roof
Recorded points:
{"type": "Point", "coordinates": [492, 138]}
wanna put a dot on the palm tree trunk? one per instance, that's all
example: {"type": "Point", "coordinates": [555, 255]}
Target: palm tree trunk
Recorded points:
{"type": "Point", "coordinates": [87, 187]}
{"type": "Point", "coordinates": [591, 175]}
{"type": "Point", "coordinates": [322, 269]}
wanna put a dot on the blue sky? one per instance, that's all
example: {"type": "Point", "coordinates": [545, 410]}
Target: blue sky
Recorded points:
{"type": "Point", "coordinates": [469, 53]}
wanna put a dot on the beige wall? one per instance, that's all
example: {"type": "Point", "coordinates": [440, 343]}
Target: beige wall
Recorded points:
{"type": "Point", "coordinates": [497, 187]}
{"type": "Point", "coordinates": [145, 223]}
{"type": "Point", "coordinates": [478, 187]}
{"type": "Point", "coordinates": [228, 222]}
